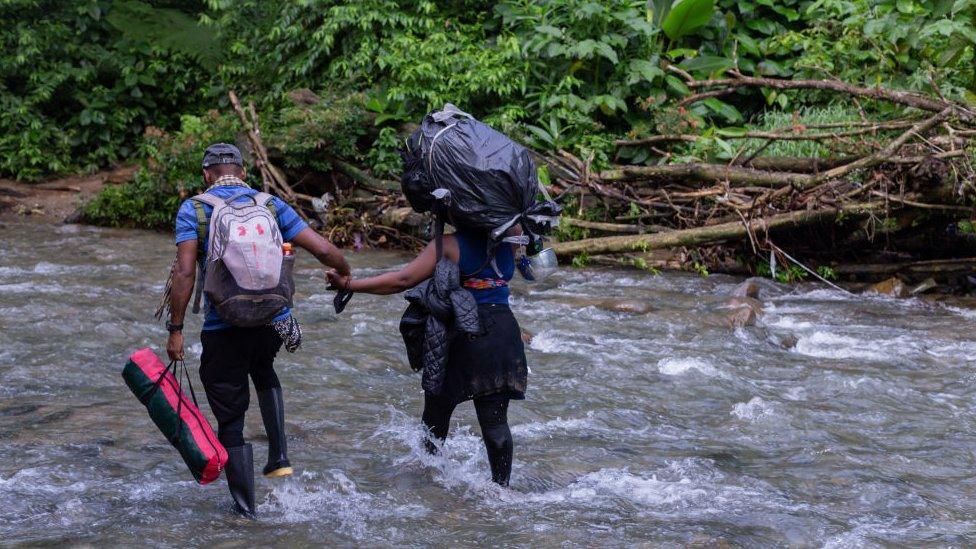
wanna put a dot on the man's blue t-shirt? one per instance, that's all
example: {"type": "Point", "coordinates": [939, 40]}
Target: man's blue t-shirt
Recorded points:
{"type": "Point", "coordinates": [289, 223]}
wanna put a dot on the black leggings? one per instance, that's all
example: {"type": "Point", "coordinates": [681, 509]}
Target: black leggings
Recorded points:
{"type": "Point", "coordinates": [492, 413]}
{"type": "Point", "coordinates": [229, 357]}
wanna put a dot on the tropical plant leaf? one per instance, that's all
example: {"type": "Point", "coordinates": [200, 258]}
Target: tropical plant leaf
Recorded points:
{"type": "Point", "coordinates": [723, 109]}
{"type": "Point", "coordinates": [642, 69]}
{"type": "Point", "coordinates": [686, 17]}
{"type": "Point", "coordinates": [707, 64]}
{"type": "Point", "coordinates": [167, 28]}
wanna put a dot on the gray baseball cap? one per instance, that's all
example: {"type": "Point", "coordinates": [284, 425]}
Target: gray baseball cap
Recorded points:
{"type": "Point", "coordinates": [222, 153]}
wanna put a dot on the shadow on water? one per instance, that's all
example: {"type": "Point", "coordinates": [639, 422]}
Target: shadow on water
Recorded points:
{"type": "Point", "coordinates": [836, 421]}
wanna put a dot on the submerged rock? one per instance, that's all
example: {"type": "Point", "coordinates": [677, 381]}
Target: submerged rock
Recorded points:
{"type": "Point", "coordinates": [893, 287]}
{"type": "Point", "coordinates": [527, 336]}
{"type": "Point", "coordinates": [612, 304]}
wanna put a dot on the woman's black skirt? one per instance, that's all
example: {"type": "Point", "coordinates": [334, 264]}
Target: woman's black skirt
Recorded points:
{"type": "Point", "coordinates": [491, 363]}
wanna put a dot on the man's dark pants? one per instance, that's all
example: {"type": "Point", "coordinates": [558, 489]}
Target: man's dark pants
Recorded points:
{"type": "Point", "coordinates": [229, 356]}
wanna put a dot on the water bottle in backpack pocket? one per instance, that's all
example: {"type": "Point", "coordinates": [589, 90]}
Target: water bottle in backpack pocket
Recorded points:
{"type": "Point", "coordinates": [247, 276]}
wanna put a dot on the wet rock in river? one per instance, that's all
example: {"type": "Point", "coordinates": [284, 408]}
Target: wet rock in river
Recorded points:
{"type": "Point", "coordinates": [893, 287]}
{"type": "Point", "coordinates": [738, 312]}
{"type": "Point", "coordinates": [749, 288]}
{"type": "Point", "coordinates": [613, 304]}
{"type": "Point", "coordinates": [527, 336]}
{"type": "Point", "coordinates": [633, 306]}
{"type": "Point", "coordinates": [924, 286]}
{"type": "Point", "coordinates": [785, 341]}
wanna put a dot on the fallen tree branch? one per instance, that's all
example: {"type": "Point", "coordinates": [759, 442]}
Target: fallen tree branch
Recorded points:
{"type": "Point", "coordinates": [272, 178]}
{"type": "Point", "coordinates": [879, 157]}
{"type": "Point", "coordinates": [705, 235]}
{"type": "Point", "coordinates": [705, 173]}
{"type": "Point", "coordinates": [920, 205]}
{"type": "Point", "coordinates": [908, 99]}
{"type": "Point", "coordinates": [935, 266]}
{"type": "Point", "coordinates": [363, 178]}
{"type": "Point", "coordinates": [784, 134]}
{"type": "Point", "coordinates": [612, 227]}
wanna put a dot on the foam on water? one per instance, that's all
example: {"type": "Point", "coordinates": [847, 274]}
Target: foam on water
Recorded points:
{"type": "Point", "coordinates": [691, 487]}
{"type": "Point", "coordinates": [965, 312]}
{"type": "Point", "coordinates": [755, 410]}
{"type": "Point", "coordinates": [681, 366]}
{"type": "Point", "coordinates": [555, 426]}
{"type": "Point", "coordinates": [334, 497]}
{"type": "Point", "coordinates": [823, 344]}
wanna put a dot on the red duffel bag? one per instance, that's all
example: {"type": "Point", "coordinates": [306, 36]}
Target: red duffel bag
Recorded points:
{"type": "Point", "coordinates": [179, 418]}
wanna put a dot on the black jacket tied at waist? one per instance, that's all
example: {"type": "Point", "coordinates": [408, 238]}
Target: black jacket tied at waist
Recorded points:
{"type": "Point", "coordinates": [439, 310]}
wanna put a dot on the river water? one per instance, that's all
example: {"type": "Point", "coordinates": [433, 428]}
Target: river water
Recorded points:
{"type": "Point", "coordinates": [838, 421]}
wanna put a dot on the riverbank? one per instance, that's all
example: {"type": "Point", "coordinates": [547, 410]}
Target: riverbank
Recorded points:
{"type": "Point", "coordinates": [60, 201]}
{"type": "Point", "coordinates": [56, 200]}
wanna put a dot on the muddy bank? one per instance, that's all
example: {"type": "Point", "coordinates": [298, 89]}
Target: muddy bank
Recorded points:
{"type": "Point", "coordinates": [56, 200]}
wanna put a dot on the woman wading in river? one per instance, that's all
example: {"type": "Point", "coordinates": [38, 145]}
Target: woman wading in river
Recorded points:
{"type": "Point", "coordinates": [459, 328]}
{"type": "Point", "coordinates": [487, 367]}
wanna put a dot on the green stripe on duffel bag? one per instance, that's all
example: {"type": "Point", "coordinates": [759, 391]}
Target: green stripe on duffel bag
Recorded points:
{"type": "Point", "coordinates": [162, 401]}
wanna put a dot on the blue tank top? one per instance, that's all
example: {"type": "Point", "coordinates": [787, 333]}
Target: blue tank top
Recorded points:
{"type": "Point", "coordinates": [473, 248]}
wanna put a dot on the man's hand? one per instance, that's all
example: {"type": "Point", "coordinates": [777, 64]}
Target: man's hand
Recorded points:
{"type": "Point", "coordinates": [338, 281]}
{"type": "Point", "coordinates": [174, 346]}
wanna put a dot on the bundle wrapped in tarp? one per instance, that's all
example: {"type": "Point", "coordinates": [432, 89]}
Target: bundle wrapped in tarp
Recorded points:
{"type": "Point", "coordinates": [179, 418]}
{"type": "Point", "coordinates": [486, 180]}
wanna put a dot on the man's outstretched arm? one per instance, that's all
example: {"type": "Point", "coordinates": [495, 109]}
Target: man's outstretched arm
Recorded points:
{"type": "Point", "coordinates": [184, 273]}
{"type": "Point", "coordinates": [323, 250]}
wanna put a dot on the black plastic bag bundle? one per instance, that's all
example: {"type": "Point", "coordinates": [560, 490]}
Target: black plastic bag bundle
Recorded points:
{"type": "Point", "coordinates": [491, 181]}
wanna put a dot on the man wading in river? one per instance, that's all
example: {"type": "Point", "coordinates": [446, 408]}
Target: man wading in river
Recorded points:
{"type": "Point", "coordinates": [239, 237]}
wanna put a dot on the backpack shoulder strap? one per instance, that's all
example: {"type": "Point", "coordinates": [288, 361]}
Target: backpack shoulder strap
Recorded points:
{"type": "Point", "coordinates": [198, 201]}
{"type": "Point", "coordinates": [208, 199]}
{"type": "Point", "coordinates": [268, 202]}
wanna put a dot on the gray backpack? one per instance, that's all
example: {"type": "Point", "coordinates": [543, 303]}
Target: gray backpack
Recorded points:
{"type": "Point", "coordinates": [247, 277]}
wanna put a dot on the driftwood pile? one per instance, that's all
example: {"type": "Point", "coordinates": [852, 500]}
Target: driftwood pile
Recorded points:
{"type": "Point", "coordinates": [890, 203]}
{"type": "Point", "coordinates": [910, 183]}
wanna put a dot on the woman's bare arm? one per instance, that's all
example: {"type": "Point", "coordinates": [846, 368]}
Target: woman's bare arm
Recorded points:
{"type": "Point", "coordinates": [415, 272]}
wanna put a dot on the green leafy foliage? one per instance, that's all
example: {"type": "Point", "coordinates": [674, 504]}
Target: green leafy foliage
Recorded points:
{"type": "Point", "coordinates": [308, 135]}
{"type": "Point", "coordinates": [76, 93]}
{"type": "Point", "coordinates": [686, 17]}
{"type": "Point", "coordinates": [170, 174]}
{"type": "Point", "coordinates": [80, 80]}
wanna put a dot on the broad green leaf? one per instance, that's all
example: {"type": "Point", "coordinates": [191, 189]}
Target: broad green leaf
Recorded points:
{"type": "Point", "coordinates": [747, 44]}
{"type": "Point", "coordinates": [659, 10]}
{"type": "Point", "coordinates": [540, 133]}
{"type": "Point", "coordinates": [732, 131]}
{"type": "Point", "coordinates": [789, 13]}
{"type": "Point", "coordinates": [606, 51]}
{"type": "Point", "coordinates": [707, 64]}
{"type": "Point", "coordinates": [723, 109]}
{"type": "Point", "coordinates": [642, 69]}
{"type": "Point", "coordinates": [686, 17]}
{"type": "Point", "coordinates": [585, 48]}
{"type": "Point", "coordinates": [676, 84]}
{"type": "Point", "coordinates": [678, 53]}
{"type": "Point", "coordinates": [549, 30]}
{"type": "Point", "coordinates": [764, 26]}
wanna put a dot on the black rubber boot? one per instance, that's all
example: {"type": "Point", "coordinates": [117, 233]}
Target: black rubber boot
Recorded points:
{"type": "Point", "coordinates": [240, 479]}
{"type": "Point", "coordinates": [273, 413]}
